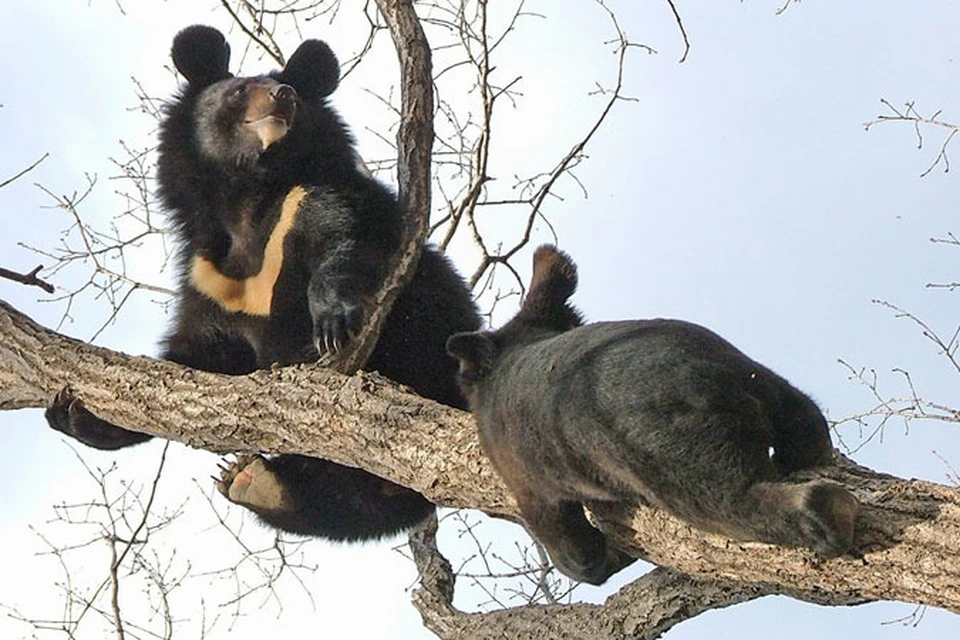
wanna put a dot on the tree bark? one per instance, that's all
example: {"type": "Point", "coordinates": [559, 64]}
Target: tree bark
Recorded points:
{"type": "Point", "coordinates": [414, 158]}
{"type": "Point", "coordinates": [645, 608]}
{"type": "Point", "coordinates": [908, 530]}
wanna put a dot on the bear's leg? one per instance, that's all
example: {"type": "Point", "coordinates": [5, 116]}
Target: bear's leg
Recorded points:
{"type": "Point", "coordinates": [818, 514]}
{"type": "Point", "coordinates": [801, 435]}
{"type": "Point", "coordinates": [314, 497]}
{"type": "Point", "coordinates": [577, 549]}
{"type": "Point", "coordinates": [67, 414]}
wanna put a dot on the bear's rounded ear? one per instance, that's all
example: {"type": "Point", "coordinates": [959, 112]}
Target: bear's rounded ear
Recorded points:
{"type": "Point", "coordinates": [201, 54]}
{"type": "Point", "coordinates": [475, 351]}
{"type": "Point", "coordinates": [313, 70]}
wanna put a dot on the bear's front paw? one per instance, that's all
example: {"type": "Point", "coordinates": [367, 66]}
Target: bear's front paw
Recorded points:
{"type": "Point", "coordinates": [336, 320]}
{"type": "Point", "coordinates": [250, 483]}
{"type": "Point", "coordinates": [67, 415]}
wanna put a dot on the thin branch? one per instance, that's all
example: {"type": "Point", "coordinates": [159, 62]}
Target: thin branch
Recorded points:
{"type": "Point", "coordinates": [268, 45]}
{"type": "Point", "coordinates": [951, 239]}
{"type": "Point", "coordinates": [535, 191]}
{"type": "Point", "coordinates": [910, 114]}
{"type": "Point", "coordinates": [29, 279]}
{"type": "Point", "coordinates": [785, 6]}
{"type": "Point", "coordinates": [24, 172]}
{"type": "Point", "coordinates": [947, 347]}
{"type": "Point", "coordinates": [902, 408]}
{"type": "Point", "coordinates": [683, 31]}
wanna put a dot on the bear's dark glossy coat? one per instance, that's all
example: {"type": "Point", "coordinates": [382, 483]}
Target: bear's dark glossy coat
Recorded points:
{"type": "Point", "coordinates": [282, 239]}
{"type": "Point", "coordinates": [657, 411]}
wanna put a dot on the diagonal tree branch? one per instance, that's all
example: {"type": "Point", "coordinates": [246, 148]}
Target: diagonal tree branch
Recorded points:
{"type": "Point", "coordinates": [909, 531]}
{"type": "Point", "coordinates": [646, 608]}
{"type": "Point", "coordinates": [414, 148]}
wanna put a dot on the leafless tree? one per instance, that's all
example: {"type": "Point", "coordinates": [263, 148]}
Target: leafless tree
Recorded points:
{"type": "Point", "coordinates": [908, 532]}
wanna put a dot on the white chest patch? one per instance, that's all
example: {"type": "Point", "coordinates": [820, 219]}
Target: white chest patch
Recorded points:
{"type": "Point", "coordinates": [253, 295]}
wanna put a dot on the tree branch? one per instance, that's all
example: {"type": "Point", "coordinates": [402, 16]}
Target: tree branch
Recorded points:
{"type": "Point", "coordinates": [20, 174]}
{"type": "Point", "coordinates": [909, 531]}
{"type": "Point", "coordinates": [30, 279]}
{"type": "Point", "coordinates": [646, 608]}
{"type": "Point", "coordinates": [414, 155]}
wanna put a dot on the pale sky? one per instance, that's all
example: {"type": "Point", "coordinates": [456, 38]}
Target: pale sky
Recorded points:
{"type": "Point", "coordinates": [739, 191]}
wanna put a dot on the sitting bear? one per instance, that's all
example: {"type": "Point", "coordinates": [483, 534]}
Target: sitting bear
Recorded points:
{"type": "Point", "coordinates": [657, 411]}
{"type": "Point", "coordinates": [283, 238]}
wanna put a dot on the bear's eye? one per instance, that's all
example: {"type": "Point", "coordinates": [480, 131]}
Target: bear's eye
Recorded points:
{"type": "Point", "coordinates": [238, 91]}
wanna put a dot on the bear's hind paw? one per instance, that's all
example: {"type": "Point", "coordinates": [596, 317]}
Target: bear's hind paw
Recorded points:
{"type": "Point", "coordinates": [250, 483]}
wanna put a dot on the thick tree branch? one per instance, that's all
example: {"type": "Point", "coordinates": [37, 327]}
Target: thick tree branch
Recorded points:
{"type": "Point", "coordinates": [362, 420]}
{"type": "Point", "coordinates": [909, 531]}
{"type": "Point", "coordinates": [414, 149]}
{"type": "Point", "coordinates": [646, 608]}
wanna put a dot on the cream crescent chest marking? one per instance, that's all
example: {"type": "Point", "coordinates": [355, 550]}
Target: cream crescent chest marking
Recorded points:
{"type": "Point", "coordinates": [252, 295]}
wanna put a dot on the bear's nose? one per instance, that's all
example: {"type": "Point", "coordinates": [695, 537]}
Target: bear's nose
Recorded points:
{"type": "Point", "coordinates": [283, 93]}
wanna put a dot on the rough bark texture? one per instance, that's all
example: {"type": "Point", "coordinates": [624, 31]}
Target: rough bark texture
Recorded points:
{"type": "Point", "coordinates": [360, 420]}
{"type": "Point", "coordinates": [909, 531]}
{"type": "Point", "coordinates": [646, 608]}
{"type": "Point", "coordinates": [414, 156]}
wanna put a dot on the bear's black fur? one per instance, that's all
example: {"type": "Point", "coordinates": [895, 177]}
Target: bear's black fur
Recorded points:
{"type": "Point", "coordinates": [283, 238]}
{"type": "Point", "coordinates": [657, 411]}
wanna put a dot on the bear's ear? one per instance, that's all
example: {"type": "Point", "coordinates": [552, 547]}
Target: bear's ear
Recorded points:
{"type": "Point", "coordinates": [475, 351]}
{"type": "Point", "coordinates": [554, 281]}
{"type": "Point", "coordinates": [313, 70]}
{"type": "Point", "coordinates": [201, 55]}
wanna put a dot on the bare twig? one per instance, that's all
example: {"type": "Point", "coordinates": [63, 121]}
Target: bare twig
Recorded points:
{"type": "Point", "coordinates": [785, 6]}
{"type": "Point", "coordinates": [103, 254]}
{"type": "Point", "coordinates": [683, 31]}
{"type": "Point", "coordinates": [24, 172]}
{"type": "Point", "coordinates": [258, 34]}
{"type": "Point", "coordinates": [474, 154]}
{"type": "Point", "coordinates": [905, 409]}
{"type": "Point", "coordinates": [30, 278]}
{"type": "Point", "coordinates": [259, 570]}
{"type": "Point", "coordinates": [947, 346]}
{"type": "Point", "coordinates": [910, 114]}
{"type": "Point", "coordinates": [950, 239]}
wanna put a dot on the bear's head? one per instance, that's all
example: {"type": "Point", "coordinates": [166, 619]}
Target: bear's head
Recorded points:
{"type": "Point", "coordinates": [545, 312]}
{"type": "Point", "coordinates": [236, 120]}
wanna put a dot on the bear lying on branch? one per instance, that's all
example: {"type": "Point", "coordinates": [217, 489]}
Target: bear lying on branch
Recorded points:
{"type": "Point", "coordinates": [657, 411]}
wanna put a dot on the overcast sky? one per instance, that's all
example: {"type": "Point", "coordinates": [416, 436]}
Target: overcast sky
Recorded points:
{"type": "Point", "coordinates": [740, 190]}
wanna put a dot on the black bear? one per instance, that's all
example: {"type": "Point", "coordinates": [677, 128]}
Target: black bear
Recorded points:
{"type": "Point", "coordinates": [283, 238]}
{"type": "Point", "coordinates": [657, 411]}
